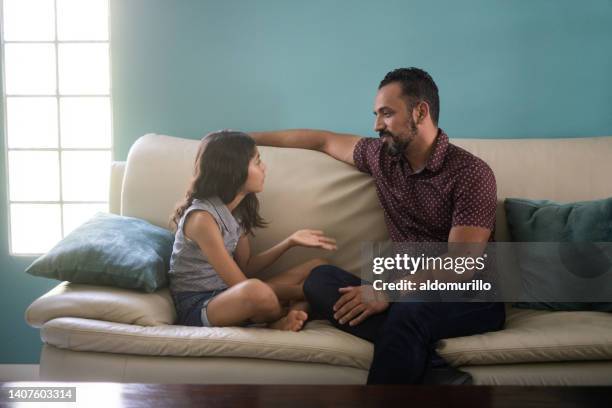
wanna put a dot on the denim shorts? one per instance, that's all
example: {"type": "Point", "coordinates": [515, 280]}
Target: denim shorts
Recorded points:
{"type": "Point", "coordinates": [191, 307]}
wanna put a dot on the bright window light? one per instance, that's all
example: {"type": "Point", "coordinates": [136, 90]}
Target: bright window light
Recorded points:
{"type": "Point", "coordinates": [29, 20]}
{"type": "Point", "coordinates": [33, 176]}
{"type": "Point", "coordinates": [82, 20]}
{"type": "Point", "coordinates": [35, 228]}
{"type": "Point", "coordinates": [88, 185]}
{"type": "Point", "coordinates": [85, 122]}
{"type": "Point", "coordinates": [58, 124]}
{"type": "Point", "coordinates": [30, 69]}
{"type": "Point", "coordinates": [83, 69]}
{"type": "Point", "coordinates": [31, 122]}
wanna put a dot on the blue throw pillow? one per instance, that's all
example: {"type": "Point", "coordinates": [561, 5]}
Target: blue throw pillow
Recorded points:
{"type": "Point", "coordinates": [110, 250]}
{"type": "Point", "coordinates": [574, 267]}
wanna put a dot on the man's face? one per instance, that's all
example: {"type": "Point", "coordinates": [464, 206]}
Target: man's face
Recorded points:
{"type": "Point", "coordinates": [394, 122]}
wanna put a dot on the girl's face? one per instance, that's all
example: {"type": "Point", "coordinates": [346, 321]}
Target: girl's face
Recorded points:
{"type": "Point", "coordinates": [257, 175]}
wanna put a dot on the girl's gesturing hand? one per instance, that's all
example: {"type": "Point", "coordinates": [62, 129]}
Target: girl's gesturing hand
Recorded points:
{"type": "Point", "coordinates": [312, 239]}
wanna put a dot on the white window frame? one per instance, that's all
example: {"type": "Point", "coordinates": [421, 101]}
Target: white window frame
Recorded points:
{"type": "Point", "coordinates": [57, 97]}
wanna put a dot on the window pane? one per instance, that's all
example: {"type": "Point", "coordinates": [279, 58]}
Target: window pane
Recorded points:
{"type": "Point", "coordinates": [83, 69]}
{"type": "Point", "coordinates": [35, 228]}
{"type": "Point", "coordinates": [82, 20]}
{"type": "Point", "coordinates": [31, 122]}
{"type": "Point", "coordinates": [30, 69]}
{"type": "Point", "coordinates": [33, 176]}
{"type": "Point", "coordinates": [85, 122]}
{"type": "Point", "coordinates": [29, 20]}
{"type": "Point", "coordinates": [85, 176]}
{"type": "Point", "coordinates": [77, 214]}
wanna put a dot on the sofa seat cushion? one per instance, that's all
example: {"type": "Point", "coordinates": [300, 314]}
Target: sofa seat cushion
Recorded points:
{"type": "Point", "coordinates": [530, 336]}
{"type": "Point", "coordinates": [102, 303]}
{"type": "Point", "coordinates": [318, 342]}
{"type": "Point", "coordinates": [535, 336]}
{"type": "Point", "coordinates": [105, 319]}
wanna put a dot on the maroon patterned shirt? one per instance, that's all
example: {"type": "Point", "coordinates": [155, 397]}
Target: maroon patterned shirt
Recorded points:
{"type": "Point", "coordinates": [454, 188]}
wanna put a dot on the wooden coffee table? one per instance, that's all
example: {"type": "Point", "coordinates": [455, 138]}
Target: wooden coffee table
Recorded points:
{"type": "Point", "coordinates": [295, 396]}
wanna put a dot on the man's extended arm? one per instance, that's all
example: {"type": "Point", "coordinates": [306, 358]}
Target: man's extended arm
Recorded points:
{"type": "Point", "coordinates": [339, 146]}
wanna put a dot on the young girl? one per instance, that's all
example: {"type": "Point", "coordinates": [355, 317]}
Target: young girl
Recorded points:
{"type": "Point", "coordinates": [212, 272]}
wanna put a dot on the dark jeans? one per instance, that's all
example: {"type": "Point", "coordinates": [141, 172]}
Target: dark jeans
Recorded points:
{"type": "Point", "coordinates": [405, 335]}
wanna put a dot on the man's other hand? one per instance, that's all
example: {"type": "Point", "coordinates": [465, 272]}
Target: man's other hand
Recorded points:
{"type": "Point", "coordinates": [357, 303]}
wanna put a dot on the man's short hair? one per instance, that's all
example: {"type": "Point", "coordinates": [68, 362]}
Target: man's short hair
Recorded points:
{"type": "Point", "coordinates": [417, 85]}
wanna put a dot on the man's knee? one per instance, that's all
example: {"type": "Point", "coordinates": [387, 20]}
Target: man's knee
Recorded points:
{"type": "Point", "coordinates": [322, 277]}
{"type": "Point", "coordinates": [314, 281]}
{"type": "Point", "coordinates": [321, 286]}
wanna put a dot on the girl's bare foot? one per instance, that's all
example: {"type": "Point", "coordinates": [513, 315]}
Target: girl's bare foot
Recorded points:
{"type": "Point", "coordinates": [293, 321]}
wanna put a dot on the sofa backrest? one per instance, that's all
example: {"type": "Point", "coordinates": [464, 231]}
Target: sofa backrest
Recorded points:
{"type": "Point", "coordinates": [306, 189]}
{"type": "Point", "coordinates": [563, 170]}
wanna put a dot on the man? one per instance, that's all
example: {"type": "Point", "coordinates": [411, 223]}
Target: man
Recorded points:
{"type": "Point", "coordinates": [431, 191]}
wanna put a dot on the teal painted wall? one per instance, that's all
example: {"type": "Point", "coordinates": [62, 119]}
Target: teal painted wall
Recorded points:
{"type": "Point", "coordinates": [505, 68]}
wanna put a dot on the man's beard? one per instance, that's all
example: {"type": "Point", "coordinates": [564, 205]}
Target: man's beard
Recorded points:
{"type": "Point", "coordinates": [397, 147]}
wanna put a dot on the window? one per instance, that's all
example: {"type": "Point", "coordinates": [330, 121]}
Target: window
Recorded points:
{"type": "Point", "coordinates": [57, 111]}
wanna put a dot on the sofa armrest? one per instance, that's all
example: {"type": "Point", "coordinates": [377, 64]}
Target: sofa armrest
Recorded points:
{"type": "Point", "coordinates": [116, 184]}
{"type": "Point", "coordinates": [102, 303]}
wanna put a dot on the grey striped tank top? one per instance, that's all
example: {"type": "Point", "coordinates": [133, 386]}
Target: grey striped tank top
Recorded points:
{"type": "Point", "coordinates": [190, 270]}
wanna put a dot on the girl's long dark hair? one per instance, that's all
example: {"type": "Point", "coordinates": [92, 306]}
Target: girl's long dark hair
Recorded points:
{"type": "Point", "coordinates": [221, 169]}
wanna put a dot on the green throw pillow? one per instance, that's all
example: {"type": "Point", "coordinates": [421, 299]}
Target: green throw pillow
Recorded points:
{"type": "Point", "coordinates": [110, 250]}
{"type": "Point", "coordinates": [576, 267]}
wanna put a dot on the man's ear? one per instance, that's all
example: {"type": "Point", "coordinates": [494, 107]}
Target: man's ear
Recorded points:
{"type": "Point", "coordinates": [422, 111]}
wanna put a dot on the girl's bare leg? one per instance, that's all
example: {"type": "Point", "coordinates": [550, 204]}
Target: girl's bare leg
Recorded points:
{"type": "Point", "coordinates": [251, 300]}
{"type": "Point", "coordinates": [288, 285]}
{"type": "Point", "coordinates": [259, 302]}
{"type": "Point", "coordinates": [255, 301]}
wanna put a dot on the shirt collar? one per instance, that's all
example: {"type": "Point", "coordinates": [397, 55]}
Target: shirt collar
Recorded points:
{"type": "Point", "coordinates": [436, 159]}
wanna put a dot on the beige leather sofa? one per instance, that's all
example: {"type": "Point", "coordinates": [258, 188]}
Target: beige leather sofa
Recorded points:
{"type": "Point", "coordinates": [108, 334]}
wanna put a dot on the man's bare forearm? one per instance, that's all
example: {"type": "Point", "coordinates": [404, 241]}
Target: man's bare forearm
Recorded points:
{"type": "Point", "coordinates": [337, 145]}
{"type": "Point", "coordinates": [297, 138]}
